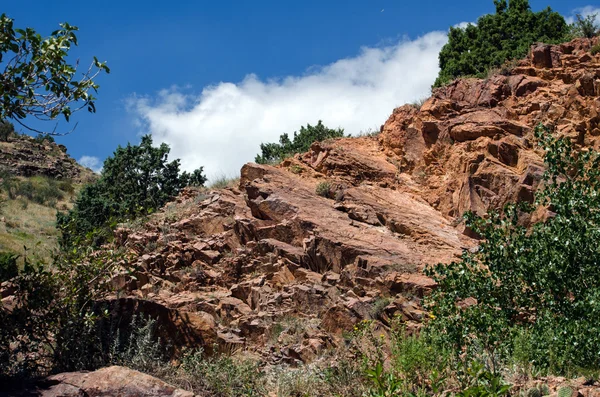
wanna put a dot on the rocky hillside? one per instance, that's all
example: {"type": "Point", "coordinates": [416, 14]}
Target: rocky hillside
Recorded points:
{"type": "Point", "coordinates": [286, 264]}
{"type": "Point", "coordinates": [37, 177]}
{"type": "Point", "coordinates": [22, 155]}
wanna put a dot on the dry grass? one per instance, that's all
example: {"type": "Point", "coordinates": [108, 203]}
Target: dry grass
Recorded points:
{"type": "Point", "coordinates": [224, 181]}
{"type": "Point", "coordinates": [29, 228]}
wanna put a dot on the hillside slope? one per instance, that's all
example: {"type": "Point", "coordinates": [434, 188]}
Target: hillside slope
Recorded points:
{"type": "Point", "coordinates": [37, 178]}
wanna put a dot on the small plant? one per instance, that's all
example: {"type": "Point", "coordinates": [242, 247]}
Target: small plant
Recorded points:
{"type": "Point", "coordinates": [295, 169]}
{"type": "Point", "coordinates": [223, 182]}
{"type": "Point", "coordinates": [41, 138]}
{"type": "Point", "coordinates": [378, 306]}
{"type": "Point", "coordinates": [537, 391]}
{"type": "Point", "coordinates": [595, 49]}
{"type": "Point", "coordinates": [483, 383]}
{"type": "Point", "coordinates": [418, 104]}
{"type": "Point", "coordinates": [220, 375]}
{"type": "Point", "coordinates": [323, 189]}
{"type": "Point", "coordinates": [565, 391]}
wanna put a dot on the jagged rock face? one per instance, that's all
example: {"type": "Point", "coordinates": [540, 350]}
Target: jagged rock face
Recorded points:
{"type": "Point", "coordinates": [23, 156]}
{"type": "Point", "coordinates": [471, 145]}
{"type": "Point", "coordinates": [249, 259]}
{"type": "Point", "coordinates": [275, 268]}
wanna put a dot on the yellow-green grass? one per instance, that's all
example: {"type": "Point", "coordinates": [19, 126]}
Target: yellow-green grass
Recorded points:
{"type": "Point", "coordinates": [29, 228]}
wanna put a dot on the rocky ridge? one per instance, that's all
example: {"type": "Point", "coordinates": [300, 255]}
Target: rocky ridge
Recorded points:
{"type": "Point", "coordinates": [274, 269]}
{"type": "Point", "coordinates": [22, 155]}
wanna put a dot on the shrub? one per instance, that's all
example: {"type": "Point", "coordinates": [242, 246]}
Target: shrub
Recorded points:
{"type": "Point", "coordinates": [323, 189]}
{"type": "Point", "coordinates": [585, 27]}
{"type": "Point", "coordinates": [276, 152]}
{"type": "Point", "coordinates": [539, 286]}
{"type": "Point", "coordinates": [496, 38]}
{"type": "Point", "coordinates": [135, 181]}
{"type": "Point", "coordinates": [53, 327]}
{"type": "Point", "coordinates": [595, 49]}
{"type": "Point", "coordinates": [6, 131]}
{"type": "Point", "coordinates": [396, 363]}
{"type": "Point", "coordinates": [41, 138]}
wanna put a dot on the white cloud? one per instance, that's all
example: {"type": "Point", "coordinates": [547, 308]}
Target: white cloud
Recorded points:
{"type": "Point", "coordinates": [584, 12]}
{"type": "Point", "coordinates": [94, 163]}
{"type": "Point", "coordinates": [222, 127]}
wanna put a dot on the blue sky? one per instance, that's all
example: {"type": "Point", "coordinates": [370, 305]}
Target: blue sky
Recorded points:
{"type": "Point", "coordinates": [215, 78]}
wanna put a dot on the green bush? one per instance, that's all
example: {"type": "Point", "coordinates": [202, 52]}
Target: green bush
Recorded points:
{"type": "Point", "coordinates": [54, 326]}
{"type": "Point", "coordinates": [585, 27]}
{"type": "Point", "coordinates": [135, 181]}
{"type": "Point", "coordinates": [323, 189]}
{"type": "Point", "coordinates": [534, 292]}
{"type": "Point", "coordinates": [276, 152]}
{"type": "Point", "coordinates": [41, 138]}
{"type": "Point", "coordinates": [496, 38]}
{"type": "Point", "coordinates": [595, 49]}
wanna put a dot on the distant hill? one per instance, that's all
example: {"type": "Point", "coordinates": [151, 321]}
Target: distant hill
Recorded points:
{"type": "Point", "coordinates": [37, 178]}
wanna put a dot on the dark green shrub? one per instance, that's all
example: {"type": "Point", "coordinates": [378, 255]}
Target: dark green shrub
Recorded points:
{"type": "Point", "coordinates": [6, 131]}
{"type": "Point", "coordinates": [55, 326]}
{"type": "Point", "coordinates": [496, 38]}
{"type": "Point", "coordinates": [276, 152]}
{"type": "Point", "coordinates": [135, 181]}
{"type": "Point", "coordinates": [8, 266]}
{"type": "Point", "coordinates": [539, 285]}
{"type": "Point", "coordinates": [41, 138]}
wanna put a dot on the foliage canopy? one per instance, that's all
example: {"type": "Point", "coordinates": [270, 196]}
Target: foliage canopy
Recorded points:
{"type": "Point", "coordinates": [275, 152]}
{"type": "Point", "coordinates": [542, 282]}
{"type": "Point", "coordinates": [35, 78]}
{"type": "Point", "coordinates": [496, 38]}
{"type": "Point", "coordinates": [136, 180]}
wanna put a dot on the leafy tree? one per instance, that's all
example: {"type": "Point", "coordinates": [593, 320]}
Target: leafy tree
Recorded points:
{"type": "Point", "coordinates": [542, 282]}
{"type": "Point", "coordinates": [36, 79]}
{"type": "Point", "coordinates": [585, 27]}
{"type": "Point", "coordinates": [275, 152]}
{"type": "Point", "coordinates": [136, 180]}
{"type": "Point", "coordinates": [496, 38]}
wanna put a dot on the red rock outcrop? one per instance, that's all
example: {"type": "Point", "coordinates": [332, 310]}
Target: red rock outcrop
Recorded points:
{"type": "Point", "coordinates": [471, 147]}
{"type": "Point", "coordinates": [275, 268]}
